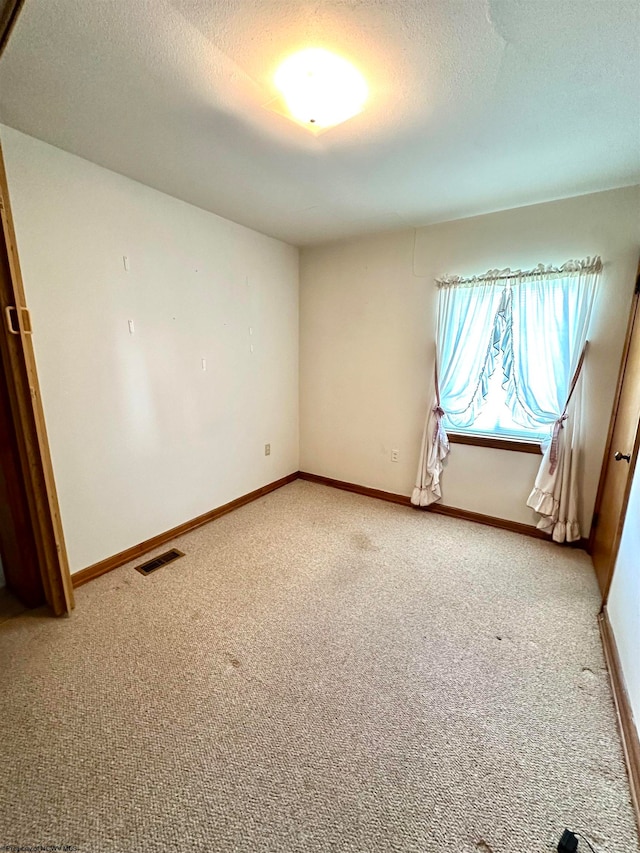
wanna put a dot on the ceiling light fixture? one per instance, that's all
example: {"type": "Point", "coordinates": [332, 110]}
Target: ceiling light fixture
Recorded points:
{"type": "Point", "coordinates": [321, 89]}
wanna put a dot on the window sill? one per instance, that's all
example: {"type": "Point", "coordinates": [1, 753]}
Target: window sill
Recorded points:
{"type": "Point", "coordinates": [495, 442]}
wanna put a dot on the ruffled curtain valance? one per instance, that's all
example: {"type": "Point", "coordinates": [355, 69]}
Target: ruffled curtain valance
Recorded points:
{"type": "Point", "coordinates": [537, 321]}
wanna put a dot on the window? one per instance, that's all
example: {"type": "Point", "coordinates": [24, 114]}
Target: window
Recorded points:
{"type": "Point", "coordinates": [495, 419]}
{"type": "Point", "coordinates": [506, 353]}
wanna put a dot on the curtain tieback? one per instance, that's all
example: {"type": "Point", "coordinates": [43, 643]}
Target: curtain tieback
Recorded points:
{"type": "Point", "coordinates": [559, 424]}
{"type": "Point", "coordinates": [553, 455]}
{"type": "Point", "coordinates": [438, 411]}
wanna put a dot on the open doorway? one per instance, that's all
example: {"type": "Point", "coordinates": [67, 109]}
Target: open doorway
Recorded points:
{"type": "Point", "coordinates": [20, 581]}
{"type": "Point", "coordinates": [32, 546]}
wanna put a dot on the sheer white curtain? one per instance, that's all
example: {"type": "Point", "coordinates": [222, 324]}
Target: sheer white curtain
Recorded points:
{"type": "Point", "coordinates": [546, 329]}
{"type": "Point", "coordinates": [551, 311]}
{"type": "Point", "coordinates": [465, 350]}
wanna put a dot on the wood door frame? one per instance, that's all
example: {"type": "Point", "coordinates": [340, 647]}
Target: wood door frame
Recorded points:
{"type": "Point", "coordinates": [634, 318]}
{"type": "Point", "coordinates": [9, 12]}
{"type": "Point", "coordinates": [18, 362]}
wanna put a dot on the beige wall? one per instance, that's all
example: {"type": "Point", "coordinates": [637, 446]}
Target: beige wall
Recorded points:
{"type": "Point", "coordinates": [366, 343]}
{"type": "Point", "coordinates": [141, 437]}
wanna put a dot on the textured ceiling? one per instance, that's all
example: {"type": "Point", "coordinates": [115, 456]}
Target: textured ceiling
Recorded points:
{"type": "Point", "coordinates": [476, 105]}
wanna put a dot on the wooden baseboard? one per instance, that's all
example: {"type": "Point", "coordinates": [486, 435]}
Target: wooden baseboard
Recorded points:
{"type": "Point", "coordinates": [489, 520]}
{"type": "Point", "coordinates": [626, 723]}
{"type": "Point", "coordinates": [502, 523]}
{"type": "Point", "coordinates": [452, 511]}
{"type": "Point", "coordinates": [354, 487]}
{"type": "Point", "coordinates": [104, 566]}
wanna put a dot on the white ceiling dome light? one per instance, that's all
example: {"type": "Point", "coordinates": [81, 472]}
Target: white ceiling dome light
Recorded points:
{"type": "Point", "coordinates": [320, 89]}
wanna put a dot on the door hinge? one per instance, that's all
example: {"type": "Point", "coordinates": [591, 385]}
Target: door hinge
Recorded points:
{"type": "Point", "coordinates": [595, 519]}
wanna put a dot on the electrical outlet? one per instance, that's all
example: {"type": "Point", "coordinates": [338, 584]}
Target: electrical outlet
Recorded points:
{"type": "Point", "coordinates": [395, 455]}
{"type": "Point", "coordinates": [267, 450]}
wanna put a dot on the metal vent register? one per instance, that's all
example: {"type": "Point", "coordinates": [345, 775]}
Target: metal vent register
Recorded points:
{"type": "Point", "coordinates": [160, 560]}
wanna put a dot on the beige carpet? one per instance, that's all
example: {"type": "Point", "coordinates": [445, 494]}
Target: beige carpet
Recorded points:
{"type": "Point", "coordinates": [321, 672]}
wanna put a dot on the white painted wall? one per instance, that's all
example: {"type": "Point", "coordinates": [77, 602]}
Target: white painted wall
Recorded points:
{"type": "Point", "coordinates": [624, 599]}
{"type": "Point", "coordinates": [141, 437]}
{"type": "Point", "coordinates": [367, 338]}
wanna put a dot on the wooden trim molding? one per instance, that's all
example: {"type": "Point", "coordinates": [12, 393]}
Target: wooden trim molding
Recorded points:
{"type": "Point", "coordinates": [9, 11]}
{"type": "Point", "coordinates": [354, 487]}
{"type": "Point", "coordinates": [104, 566]}
{"type": "Point", "coordinates": [440, 509]}
{"type": "Point", "coordinates": [502, 523]}
{"type": "Point", "coordinates": [489, 520]}
{"type": "Point", "coordinates": [626, 723]}
{"type": "Point", "coordinates": [496, 443]}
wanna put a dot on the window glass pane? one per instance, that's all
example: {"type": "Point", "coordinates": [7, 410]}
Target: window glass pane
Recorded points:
{"type": "Point", "coordinates": [495, 417]}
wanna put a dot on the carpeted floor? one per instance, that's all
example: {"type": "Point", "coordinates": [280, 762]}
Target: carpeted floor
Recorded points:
{"type": "Point", "coordinates": [321, 672]}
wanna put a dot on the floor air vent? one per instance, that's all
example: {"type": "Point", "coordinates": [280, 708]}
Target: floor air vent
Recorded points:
{"type": "Point", "coordinates": [160, 560]}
